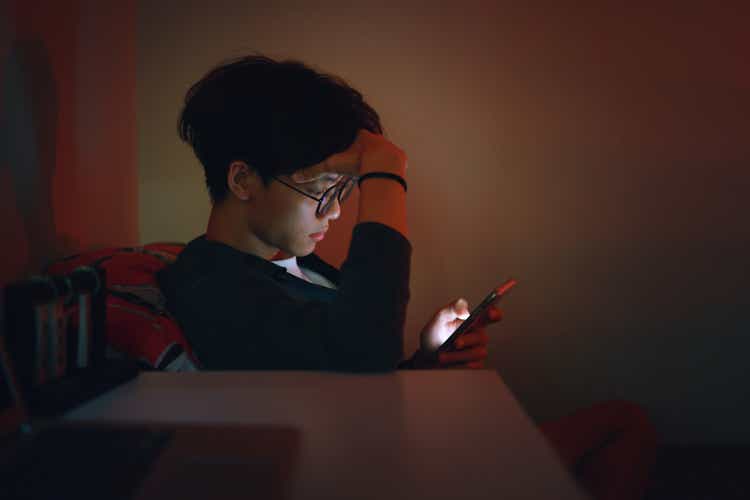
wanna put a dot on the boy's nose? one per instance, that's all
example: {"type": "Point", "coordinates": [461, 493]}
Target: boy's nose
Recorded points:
{"type": "Point", "coordinates": [334, 212]}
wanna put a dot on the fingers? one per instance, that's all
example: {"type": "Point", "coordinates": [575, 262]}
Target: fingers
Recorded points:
{"type": "Point", "coordinates": [472, 338]}
{"type": "Point", "coordinates": [369, 152]}
{"type": "Point", "coordinates": [491, 315]}
{"type": "Point", "coordinates": [380, 154]}
{"type": "Point", "coordinates": [346, 162]}
{"type": "Point", "coordinates": [472, 351]}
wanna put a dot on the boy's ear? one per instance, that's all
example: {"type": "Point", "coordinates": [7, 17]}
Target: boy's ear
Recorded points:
{"type": "Point", "coordinates": [242, 180]}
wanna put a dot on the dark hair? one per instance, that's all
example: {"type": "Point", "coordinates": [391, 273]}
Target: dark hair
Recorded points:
{"type": "Point", "coordinates": [278, 117]}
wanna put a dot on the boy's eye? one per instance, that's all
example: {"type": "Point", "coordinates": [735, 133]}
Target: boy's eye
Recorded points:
{"type": "Point", "coordinates": [318, 192]}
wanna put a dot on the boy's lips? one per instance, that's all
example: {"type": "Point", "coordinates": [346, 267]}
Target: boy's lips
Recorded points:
{"type": "Point", "coordinates": [318, 236]}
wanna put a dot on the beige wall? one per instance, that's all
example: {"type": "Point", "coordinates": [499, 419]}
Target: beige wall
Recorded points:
{"type": "Point", "coordinates": [599, 156]}
{"type": "Point", "coordinates": [68, 180]}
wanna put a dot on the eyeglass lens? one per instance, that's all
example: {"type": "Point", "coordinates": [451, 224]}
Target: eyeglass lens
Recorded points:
{"type": "Point", "coordinates": [343, 191]}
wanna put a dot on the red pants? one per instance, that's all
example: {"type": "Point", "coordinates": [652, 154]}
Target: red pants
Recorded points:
{"type": "Point", "coordinates": [609, 447]}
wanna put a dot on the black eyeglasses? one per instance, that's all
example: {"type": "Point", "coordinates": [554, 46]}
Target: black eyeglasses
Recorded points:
{"type": "Point", "coordinates": [340, 190]}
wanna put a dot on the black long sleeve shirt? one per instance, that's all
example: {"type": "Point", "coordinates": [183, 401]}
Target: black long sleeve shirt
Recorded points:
{"type": "Point", "coordinates": [239, 311]}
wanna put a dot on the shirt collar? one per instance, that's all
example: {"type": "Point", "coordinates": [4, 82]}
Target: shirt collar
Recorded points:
{"type": "Point", "coordinates": [223, 251]}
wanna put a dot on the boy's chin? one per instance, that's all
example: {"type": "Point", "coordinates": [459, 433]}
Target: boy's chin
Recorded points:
{"type": "Point", "coordinates": [309, 250]}
{"type": "Point", "coordinates": [303, 249]}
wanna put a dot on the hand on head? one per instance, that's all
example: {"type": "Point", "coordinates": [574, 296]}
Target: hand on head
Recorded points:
{"type": "Point", "coordinates": [369, 152]}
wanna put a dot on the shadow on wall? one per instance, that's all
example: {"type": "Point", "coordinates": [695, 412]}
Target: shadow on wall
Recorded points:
{"type": "Point", "coordinates": [29, 119]}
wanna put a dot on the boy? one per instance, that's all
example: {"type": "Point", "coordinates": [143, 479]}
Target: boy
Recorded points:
{"type": "Point", "coordinates": [282, 147]}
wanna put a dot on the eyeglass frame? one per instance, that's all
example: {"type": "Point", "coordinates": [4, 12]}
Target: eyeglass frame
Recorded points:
{"type": "Point", "coordinates": [339, 185]}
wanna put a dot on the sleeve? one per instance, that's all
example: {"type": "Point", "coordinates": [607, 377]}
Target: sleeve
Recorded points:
{"type": "Point", "coordinates": [417, 361]}
{"type": "Point", "coordinates": [254, 324]}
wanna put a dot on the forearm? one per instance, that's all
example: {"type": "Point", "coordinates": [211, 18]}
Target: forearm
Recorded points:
{"type": "Point", "coordinates": [370, 312]}
{"type": "Point", "coordinates": [383, 200]}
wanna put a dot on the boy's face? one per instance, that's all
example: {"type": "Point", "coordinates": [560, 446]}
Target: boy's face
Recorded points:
{"type": "Point", "coordinates": [286, 219]}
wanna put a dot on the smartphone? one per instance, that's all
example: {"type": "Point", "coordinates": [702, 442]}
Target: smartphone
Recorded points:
{"type": "Point", "coordinates": [492, 298]}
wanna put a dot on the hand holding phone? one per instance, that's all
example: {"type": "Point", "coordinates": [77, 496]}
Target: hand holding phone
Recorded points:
{"type": "Point", "coordinates": [491, 299]}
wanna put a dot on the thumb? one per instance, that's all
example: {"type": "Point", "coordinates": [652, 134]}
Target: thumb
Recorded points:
{"type": "Point", "coordinates": [460, 308]}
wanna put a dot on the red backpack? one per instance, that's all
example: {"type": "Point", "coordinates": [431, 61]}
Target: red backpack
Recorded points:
{"type": "Point", "coordinates": [138, 324]}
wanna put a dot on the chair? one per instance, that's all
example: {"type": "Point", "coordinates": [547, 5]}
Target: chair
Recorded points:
{"type": "Point", "coordinates": [138, 325]}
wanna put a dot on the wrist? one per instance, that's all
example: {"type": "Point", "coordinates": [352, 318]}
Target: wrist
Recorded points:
{"type": "Point", "coordinates": [390, 169]}
{"type": "Point", "coordinates": [389, 176]}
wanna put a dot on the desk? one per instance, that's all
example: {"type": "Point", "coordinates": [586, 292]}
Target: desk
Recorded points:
{"type": "Point", "coordinates": [410, 434]}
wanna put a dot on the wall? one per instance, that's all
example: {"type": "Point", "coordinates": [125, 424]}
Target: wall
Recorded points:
{"type": "Point", "coordinates": [68, 180]}
{"type": "Point", "coordinates": [599, 155]}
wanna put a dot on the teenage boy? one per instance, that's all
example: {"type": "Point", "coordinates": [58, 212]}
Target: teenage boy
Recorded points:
{"type": "Point", "coordinates": [283, 146]}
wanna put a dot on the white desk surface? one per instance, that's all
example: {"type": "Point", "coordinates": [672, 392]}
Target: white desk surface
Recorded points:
{"type": "Point", "coordinates": [410, 434]}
